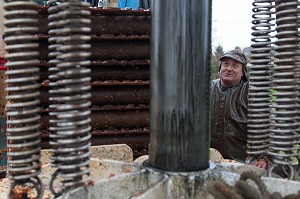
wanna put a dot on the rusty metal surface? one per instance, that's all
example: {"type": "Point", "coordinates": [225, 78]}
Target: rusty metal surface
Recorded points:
{"type": "Point", "coordinates": [112, 93]}
{"type": "Point", "coordinates": [120, 77]}
{"type": "Point", "coordinates": [101, 24]}
{"type": "Point", "coordinates": [111, 119]}
{"type": "Point", "coordinates": [137, 142]}
{"type": "Point", "coordinates": [110, 47]}
{"type": "Point", "coordinates": [110, 21]}
{"type": "Point", "coordinates": [125, 70]}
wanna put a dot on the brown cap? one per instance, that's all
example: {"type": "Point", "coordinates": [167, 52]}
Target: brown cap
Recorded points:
{"type": "Point", "coordinates": [236, 55]}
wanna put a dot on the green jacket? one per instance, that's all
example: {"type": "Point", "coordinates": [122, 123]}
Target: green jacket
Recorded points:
{"type": "Point", "coordinates": [229, 109]}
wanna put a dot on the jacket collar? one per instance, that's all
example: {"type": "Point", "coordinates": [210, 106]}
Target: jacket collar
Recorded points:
{"type": "Point", "coordinates": [226, 88]}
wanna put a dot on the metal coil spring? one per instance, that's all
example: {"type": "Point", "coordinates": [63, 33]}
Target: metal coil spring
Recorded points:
{"type": "Point", "coordinates": [260, 78]}
{"type": "Point", "coordinates": [23, 133]}
{"type": "Point", "coordinates": [69, 31]}
{"type": "Point", "coordinates": [285, 137]}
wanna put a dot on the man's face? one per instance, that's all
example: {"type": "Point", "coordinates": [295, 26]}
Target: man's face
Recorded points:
{"type": "Point", "coordinates": [231, 72]}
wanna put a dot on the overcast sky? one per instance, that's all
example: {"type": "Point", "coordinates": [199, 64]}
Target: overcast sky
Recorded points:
{"type": "Point", "coordinates": [231, 23]}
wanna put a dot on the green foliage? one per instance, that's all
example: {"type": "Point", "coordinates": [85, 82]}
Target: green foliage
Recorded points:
{"type": "Point", "coordinates": [215, 61]}
{"type": "Point", "coordinates": [272, 92]}
{"type": "Point", "coordinates": [238, 48]}
{"type": "Point", "coordinates": [294, 159]}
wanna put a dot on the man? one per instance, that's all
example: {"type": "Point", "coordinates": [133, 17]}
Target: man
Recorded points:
{"type": "Point", "coordinates": [229, 108]}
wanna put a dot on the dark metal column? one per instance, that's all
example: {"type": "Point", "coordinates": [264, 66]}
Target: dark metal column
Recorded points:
{"type": "Point", "coordinates": [180, 84]}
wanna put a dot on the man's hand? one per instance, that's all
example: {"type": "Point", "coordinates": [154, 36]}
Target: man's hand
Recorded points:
{"type": "Point", "coordinates": [261, 163]}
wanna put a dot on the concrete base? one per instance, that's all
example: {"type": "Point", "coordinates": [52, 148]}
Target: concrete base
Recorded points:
{"type": "Point", "coordinates": [149, 183]}
{"type": "Point", "coordinates": [106, 161]}
{"type": "Point", "coordinates": [214, 156]}
{"type": "Point", "coordinates": [100, 169]}
{"type": "Point", "coordinates": [126, 179]}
